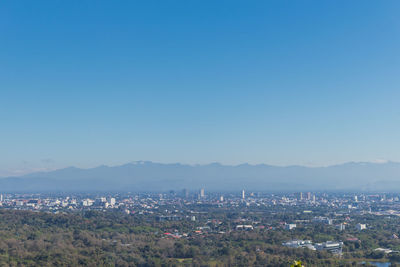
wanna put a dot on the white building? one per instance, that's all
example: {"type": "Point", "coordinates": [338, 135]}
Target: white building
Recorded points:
{"type": "Point", "coordinates": [87, 202]}
{"type": "Point", "coordinates": [384, 250]}
{"type": "Point", "coordinates": [290, 226]}
{"type": "Point", "coordinates": [299, 244]}
{"type": "Point", "coordinates": [244, 227]}
{"type": "Point", "coordinates": [331, 246]}
{"type": "Point", "coordinates": [361, 226]}
{"type": "Point", "coordinates": [202, 194]}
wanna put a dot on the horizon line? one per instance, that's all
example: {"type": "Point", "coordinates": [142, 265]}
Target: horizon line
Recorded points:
{"type": "Point", "coordinates": [138, 162]}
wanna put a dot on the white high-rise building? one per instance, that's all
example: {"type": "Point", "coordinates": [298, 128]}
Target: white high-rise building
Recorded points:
{"type": "Point", "coordinates": [243, 194]}
{"type": "Point", "coordinates": [202, 193]}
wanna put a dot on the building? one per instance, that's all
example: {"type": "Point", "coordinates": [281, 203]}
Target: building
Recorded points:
{"type": "Point", "coordinates": [244, 227]}
{"type": "Point", "coordinates": [87, 202]}
{"type": "Point", "coordinates": [290, 226]}
{"type": "Point", "coordinates": [324, 220]}
{"type": "Point", "coordinates": [202, 195]}
{"type": "Point", "coordinates": [100, 201]}
{"type": "Point", "coordinates": [361, 226]}
{"type": "Point", "coordinates": [341, 227]}
{"type": "Point", "coordinates": [384, 250]}
{"type": "Point", "coordinates": [331, 246]}
{"type": "Point", "coordinates": [299, 244]}
{"type": "Point", "coordinates": [243, 194]}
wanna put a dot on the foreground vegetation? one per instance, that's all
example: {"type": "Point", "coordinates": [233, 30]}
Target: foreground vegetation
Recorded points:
{"type": "Point", "coordinates": [114, 239]}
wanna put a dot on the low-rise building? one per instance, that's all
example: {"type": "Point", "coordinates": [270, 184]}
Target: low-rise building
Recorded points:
{"type": "Point", "coordinates": [290, 226]}
{"type": "Point", "coordinates": [299, 244]}
{"type": "Point", "coordinates": [244, 227]}
{"type": "Point", "coordinates": [361, 226]}
{"type": "Point", "coordinates": [331, 246]}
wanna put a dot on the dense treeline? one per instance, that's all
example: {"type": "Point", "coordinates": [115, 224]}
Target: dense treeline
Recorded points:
{"type": "Point", "coordinates": [114, 239]}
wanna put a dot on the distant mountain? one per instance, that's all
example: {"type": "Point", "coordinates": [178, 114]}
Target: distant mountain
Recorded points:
{"type": "Point", "coordinates": [150, 176]}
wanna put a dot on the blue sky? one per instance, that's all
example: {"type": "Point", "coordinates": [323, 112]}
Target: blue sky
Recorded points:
{"type": "Point", "coordinates": [85, 83]}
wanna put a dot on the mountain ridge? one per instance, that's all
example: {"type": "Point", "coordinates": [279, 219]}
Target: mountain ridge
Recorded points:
{"type": "Point", "coordinates": [153, 176]}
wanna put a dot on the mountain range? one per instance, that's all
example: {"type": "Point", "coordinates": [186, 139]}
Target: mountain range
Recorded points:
{"type": "Point", "coordinates": [151, 177]}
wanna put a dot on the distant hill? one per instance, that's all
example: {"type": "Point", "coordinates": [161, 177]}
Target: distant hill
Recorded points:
{"type": "Point", "coordinates": [150, 176]}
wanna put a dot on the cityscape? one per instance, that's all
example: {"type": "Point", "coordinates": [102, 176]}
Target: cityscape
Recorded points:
{"type": "Point", "coordinates": [295, 219]}
{"type": "Point", "coordinates": [206, 133]}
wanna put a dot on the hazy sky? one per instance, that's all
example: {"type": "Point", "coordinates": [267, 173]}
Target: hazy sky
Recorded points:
{"type": "Point", "coordinates": [86, 83]}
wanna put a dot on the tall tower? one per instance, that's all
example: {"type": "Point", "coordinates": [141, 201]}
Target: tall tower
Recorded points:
{"type": "Point", "coordinates": [202, 195]}
{"type": "Point", "coordinates": [243, 194]}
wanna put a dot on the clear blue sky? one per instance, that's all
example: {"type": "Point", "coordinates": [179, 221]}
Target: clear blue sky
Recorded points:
{"type": "Point", "coordinates": [86, 83]}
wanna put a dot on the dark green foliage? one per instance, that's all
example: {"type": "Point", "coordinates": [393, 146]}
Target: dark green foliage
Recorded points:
{"type": "Point", "coordinates": [114, 239]}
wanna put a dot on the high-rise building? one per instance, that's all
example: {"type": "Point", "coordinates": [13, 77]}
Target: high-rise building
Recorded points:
{"type": "Point", "coordinates": [309, 196]}
{"type": "Point", "coordinates": [301, 195]}
{"type": "Point", "coordinates": [202, 193]}
{"type": "Point", "coordinates": [243, 194]}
